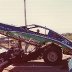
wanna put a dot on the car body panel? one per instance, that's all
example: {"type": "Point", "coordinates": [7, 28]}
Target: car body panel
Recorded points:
{"type": "Point", "coordinates": [25, 33]}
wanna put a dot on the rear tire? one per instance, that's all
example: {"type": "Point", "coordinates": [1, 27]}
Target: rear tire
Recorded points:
{"type": "Point", "coordinates": [53, 55]}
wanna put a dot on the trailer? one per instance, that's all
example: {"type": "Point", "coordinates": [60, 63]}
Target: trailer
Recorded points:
{"type": "Point", "coordinates": [48, 45]}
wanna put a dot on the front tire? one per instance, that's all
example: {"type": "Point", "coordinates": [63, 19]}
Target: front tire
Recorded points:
{"type": "Point", "coordinates": [53, 55]}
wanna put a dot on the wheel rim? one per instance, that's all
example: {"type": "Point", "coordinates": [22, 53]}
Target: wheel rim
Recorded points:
{"type": "Point", "coordinates": [52, 56]}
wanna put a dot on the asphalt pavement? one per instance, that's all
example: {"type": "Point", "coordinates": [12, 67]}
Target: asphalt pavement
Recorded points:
{"type": "Point", "coordinates": [38, 67]}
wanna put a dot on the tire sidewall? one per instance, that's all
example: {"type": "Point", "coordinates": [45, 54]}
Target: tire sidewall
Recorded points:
{"type": "Point", "coordinates": [57, 51]}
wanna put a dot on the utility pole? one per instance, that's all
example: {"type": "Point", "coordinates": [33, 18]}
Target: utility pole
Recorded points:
{"type": "Point", "coordinates": [45, 30]}
{"type": "Point", "coordinates": [25, 12]}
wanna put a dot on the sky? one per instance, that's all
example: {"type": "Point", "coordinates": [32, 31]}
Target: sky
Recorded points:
{"type": "Point", "coordinates": [54, 14]}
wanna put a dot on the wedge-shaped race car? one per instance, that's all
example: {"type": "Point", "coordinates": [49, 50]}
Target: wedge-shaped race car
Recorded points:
{"type": "Point", "coordinates": [46, 43]}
